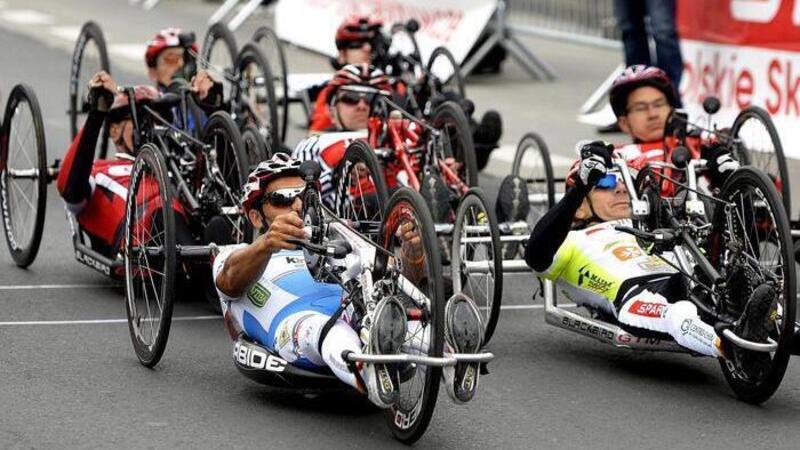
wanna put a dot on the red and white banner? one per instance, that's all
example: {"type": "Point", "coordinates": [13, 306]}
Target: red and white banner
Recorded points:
{"type": "Point", "coordinates": [455, 24]}
{"type": "Point", "coordinates": [746, 52]}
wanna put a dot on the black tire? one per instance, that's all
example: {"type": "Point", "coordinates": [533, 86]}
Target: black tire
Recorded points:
{"type": "Point", "coordinates": [538, 178]}
{"type": "Point", "coordinates": [219, 54]}
{"type": "Point", "coordinates": [409, 417]}
{"type": "Point", "coordinates": [360, 190]}
{"type": "Point", "coordinates": [457, 143]}
{"type": "Point", "coordinates": [757, 215]}
{"type": "Point", "coordinates": [89, 56]}
{"type": "Point", "coordinates": [23, 169]}
{"type": "Point", "coordinates": [143, 284]}
{"type": "Point", "coordinates": [255, 147]}
{"type": "Point", "coordinates": [762, 148]}
{"type": "Point", "coordinates": [402, 35]}
{"type": "Point", "coordinates": [272, 49]}
{"type": "Point", "coordinates": [473, 212]}
{"type": "Point", "coordinates": [442, 60]}
{"type": "Point", "coordinates": [256, 94]}
{"type": "Point", "coordinates": [221, 133]}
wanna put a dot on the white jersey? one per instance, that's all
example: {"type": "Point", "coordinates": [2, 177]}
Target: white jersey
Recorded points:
{"type": "Point", "coordinates": [286, 289]}
{"type": "Point", "coordinates": [327, 149]}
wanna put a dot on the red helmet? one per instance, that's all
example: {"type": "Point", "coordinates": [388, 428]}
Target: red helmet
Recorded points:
{"type": "Point", "coordinates": [360, 75]}
{"type": "Point", "coordinates": [166, 38]}
{"type": "Point", "coordinates": [357, 29]}
{"type": "Point", "coordinates": [635, 77]}
{"type": "Point", "coordinates": [281, 165]}
{"type": "Point", "coordinates": [120, 110]}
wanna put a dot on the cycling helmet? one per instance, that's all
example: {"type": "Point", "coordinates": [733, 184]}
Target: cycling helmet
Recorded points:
{"type": "Point", "coordinates": [355, 30]}
{"type": "Point", "coordinates": [281, 165]}
{"type": "Point", "coordinates": [635, 77]}
{"type": "Point", "coordinates": [360, 75]}
{"type": "Point", "coordinates": [121, 110]}
{"type": "Point", "coordinates": [167, 38]}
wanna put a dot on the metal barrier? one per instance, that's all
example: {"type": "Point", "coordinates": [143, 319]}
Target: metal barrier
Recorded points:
{"type": "Point", "coordinates": [586, 21]}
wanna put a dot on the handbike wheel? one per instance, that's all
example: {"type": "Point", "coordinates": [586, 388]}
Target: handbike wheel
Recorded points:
{"type": "Point", "coordinates": [444, 74]}
{"type": "Point", "coordinates": [23, 175]}
{"type": "Point", "coordinates": [89, 57]}
{"type": "Point", "coordinates": [218, 55]}
{"type": "Point", "coordinates": [255, 147]}
{"type": "Point", "coordinates": [477, 264]}
{"type": "Point", "coordinates": [272, 49]}
{"type": "Point", "coordinates": [360, 192]}
{"type": "Point", "coordinates": [222, 135]}
{"type": "Point", "coordinates": [256, 92]}
{"type": "Point", "coordinates": [763, 148]}
{"type": "Point", "coordinates": [532, 164]}
{"type": "Point", "coordinates": [753, 235]}
{"type": "Point", "coordinates": [457, 143]}
{"type": "Point", "coordinates": [149, 254]}
{"type": "Point", "coordinates": [419, 384]}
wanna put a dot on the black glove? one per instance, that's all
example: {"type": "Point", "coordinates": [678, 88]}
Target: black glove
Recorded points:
{"type": "Point", "coordinates": [100, 99]}
{"type": "Point", "coordinates": [595, 161]}
{"type": "Point", "coordinates": [721, 162]}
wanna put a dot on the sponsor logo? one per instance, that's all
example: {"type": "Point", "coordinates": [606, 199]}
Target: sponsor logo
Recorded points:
{"type": "Point", "coordinates": [93, 263]}
{"type": "Point", "coordinates": [692, 329]}
{"type": "Point", "coordinates": [297, 261]}
{"type": "Point", "coordinates": [627, 252]}
{"type": "Point", "coordinates": [653, 264]}
{"type": "Point", "coordinates": [258, 295]}
{"type": "Point", "coordinates": [257, 359]}
{"type": "Point", "coordinates": [284, 335]}
{"type": "Point", "coordinates": [386, 382]}
{"type": "Point", "coordinates": [7, 217]}
{"type": "Point", "coordinates": [591, 281]}
{"type": "Point", "coordinates": [588, 328]}
{"type": "Point", "coordinates": [630, 339]}
{"type": "Point", "coordinates": [647, 309]}
{"type": "Point", "coordinates": [469, 378]}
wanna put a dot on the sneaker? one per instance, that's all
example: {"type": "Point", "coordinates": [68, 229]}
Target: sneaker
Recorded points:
{"type": "Point", "coordinates": [463, 333]}
{"type": "Point", "coordinates": [753, 325]}
{"type": "Point", "coordinates": [386, 334]}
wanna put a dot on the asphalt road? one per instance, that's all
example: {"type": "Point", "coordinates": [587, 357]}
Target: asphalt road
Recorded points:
{"type": "Point", "coordinates": [68, 382]}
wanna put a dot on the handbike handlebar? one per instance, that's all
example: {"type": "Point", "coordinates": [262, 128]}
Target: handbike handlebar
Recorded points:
{"type": "Point", "coordinates": [337, 249]}
{"type": "Point", "coordinates": [659, 236]}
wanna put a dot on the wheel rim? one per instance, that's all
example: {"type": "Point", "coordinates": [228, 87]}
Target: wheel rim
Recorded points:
{"type": "Point", "coordinates": [271, 49]}
{"type": "Point", "coordinates": [415, 379]}
{"type": "Point", "coordinates": [755, 136]}
{"type": "Point", "coordinates": [753, 224]}
{"type": "Point", "coordinates": [90, 64]}
{"type": "Point", "coordinates": [532, 169]}
{"type": "Point", "coordinates": [146, 260]}
{"type": "Point", "coordinates": [479, 286]}
{"type": "Point", "coordinates": [20, 179]}
{"type": "Point", "coordinates": [360, 199]}
{"type": "Point", "coordinates": [230, 184]}
{"type": "Point", "coordinates": [256, 96]}
{"type": "Point", "coordinates": [443, 73]}
{"type": "Point", "coordinates": [220, 59]}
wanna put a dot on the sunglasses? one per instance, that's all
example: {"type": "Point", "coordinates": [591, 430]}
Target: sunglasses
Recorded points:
{"type": "Point", "coordinates": [352, 98]}
{"type": "Point", "coordinates": [283, 198]}
{"type": "Point", "coordinates": [353, 45]}
{"type": "Point", "coordinates": [609, 181]}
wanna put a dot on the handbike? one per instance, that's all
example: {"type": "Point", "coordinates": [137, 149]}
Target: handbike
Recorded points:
{"type": "Point", "coordinates": [369, 270]}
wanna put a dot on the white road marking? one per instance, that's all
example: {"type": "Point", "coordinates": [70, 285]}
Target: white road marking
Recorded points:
{"type": "Point", "coordinates": [26, 17]}
{"type": "Point", "coordinates": [21, 287]}
{"type": "Point", "coordinates": [97, 321]}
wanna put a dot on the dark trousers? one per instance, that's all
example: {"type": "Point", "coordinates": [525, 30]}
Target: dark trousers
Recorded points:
{"type": "Point", "coordinates": [630, 16]}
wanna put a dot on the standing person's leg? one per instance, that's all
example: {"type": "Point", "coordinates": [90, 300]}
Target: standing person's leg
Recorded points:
{"type": "Point", "coordinates": [665, 35]}
{"type": "Point", "coordinates": [630, 19]}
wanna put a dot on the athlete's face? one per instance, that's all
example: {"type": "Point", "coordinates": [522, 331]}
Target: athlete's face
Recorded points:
{"type": "Point", "coordinates": [168, 63]}
{"type": "Point", "coordinates": [646, 114]}
{"type": "Point", "coordinates": [121, 133]}
{"type": "Point", "coordinates": [357, 55]}
{"type": "Point", "coordinates": [272, 209]}
{"type": "Point", "coordinates": [608, 204]}
{"type": "Point", "coordinates": [352, 111]}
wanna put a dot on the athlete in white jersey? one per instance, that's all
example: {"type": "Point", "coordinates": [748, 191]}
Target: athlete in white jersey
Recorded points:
{"type": "Point", "coordinates": [268, 294]}
{"type": "Point", "coordinates": [595, 265]}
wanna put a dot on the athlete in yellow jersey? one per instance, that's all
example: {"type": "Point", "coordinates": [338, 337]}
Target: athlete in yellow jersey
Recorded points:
{"type": "Point", "coordinates": [576, 245]}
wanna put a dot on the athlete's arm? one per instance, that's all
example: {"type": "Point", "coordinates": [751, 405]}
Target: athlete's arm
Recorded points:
{"type": "Point", "coordinates": [552, 229]}
{"type": "Point", "coordinates": [246, 265]}
{"type": "Point", "coordinates": [73, 178]}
